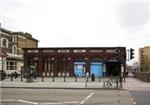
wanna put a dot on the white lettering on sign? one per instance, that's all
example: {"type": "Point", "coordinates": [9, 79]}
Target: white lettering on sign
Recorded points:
{"type": "Point", "coordinates": [111, 51]}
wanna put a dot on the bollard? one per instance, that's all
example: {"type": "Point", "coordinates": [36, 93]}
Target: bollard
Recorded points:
{"type": "Point", "coordinates": [75, 79]}
{"type": "Point", "coordinates": [11, 77]}
{"type": "Point", "coordinates": [21, 78]}
{"type": "Point", "coordinates": [42, 79]}
{"type": "Point", "coordinates": [87, 79]}
{"type": "Point", "coordinates": [64, 78]}
{"type": "Point", "coordinates": [117, 82]}
{"type": "Point", "coordinates": [53, 79]}
{"type": "Point", "coordinates": [86, 84]}
{"type": "Point", "coordinates": [99, 79]}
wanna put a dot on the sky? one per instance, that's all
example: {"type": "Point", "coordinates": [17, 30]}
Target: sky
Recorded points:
{"type": "Point", "coordinates": [80, 23]}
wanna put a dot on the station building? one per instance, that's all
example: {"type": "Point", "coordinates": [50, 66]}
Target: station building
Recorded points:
{"type": "Point", "coordinates": [75, 61]}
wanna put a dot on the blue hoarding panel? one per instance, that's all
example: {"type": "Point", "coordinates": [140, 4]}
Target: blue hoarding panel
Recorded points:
{"type": "Point", "coordinates": [96, 69]}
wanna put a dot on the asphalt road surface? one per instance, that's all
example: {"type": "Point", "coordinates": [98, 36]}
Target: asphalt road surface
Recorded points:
{"type": "Point", "coordinates": [139, 90]}
{"type": "Point", "coordinates": [141, 97]}
{"type": "Point", "coordinates": [10, 96]}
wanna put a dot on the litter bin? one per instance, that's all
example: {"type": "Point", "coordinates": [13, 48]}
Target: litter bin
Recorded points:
{"type": "Point", "coordinates": [92, 77]}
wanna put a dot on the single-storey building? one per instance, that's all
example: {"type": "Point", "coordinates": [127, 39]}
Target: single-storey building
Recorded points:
{"type": "Point", "coordinates": [75, 61]}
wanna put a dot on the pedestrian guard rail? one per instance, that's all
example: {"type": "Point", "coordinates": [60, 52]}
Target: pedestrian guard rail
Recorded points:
{"type": "Point", "coordinates": [102, 82]}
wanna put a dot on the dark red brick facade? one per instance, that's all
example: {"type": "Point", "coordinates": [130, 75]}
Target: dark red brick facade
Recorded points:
{"type": "Point", "coordinates": [62, 61]}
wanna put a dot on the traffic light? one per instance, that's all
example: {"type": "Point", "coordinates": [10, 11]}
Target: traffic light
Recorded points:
{"type": "Point", "coordinates": [131, 53]}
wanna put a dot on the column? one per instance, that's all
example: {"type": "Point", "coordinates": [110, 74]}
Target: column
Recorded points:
{"type": "Point", "coordinates": [40, 63]}
{"type": "Point", "coordinates": [104, 69]}
{"type": "Point", "coordinates": [70, 66]}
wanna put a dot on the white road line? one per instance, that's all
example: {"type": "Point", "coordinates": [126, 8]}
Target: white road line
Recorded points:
{"type": "Point", "coordinates": [82, 102]}
{"type": "Point", "coordinates": [29, 102]}
{"type": "Point", "coordinates": [73, 102]}
{"type": "Point", "coordinates": [5, 100]}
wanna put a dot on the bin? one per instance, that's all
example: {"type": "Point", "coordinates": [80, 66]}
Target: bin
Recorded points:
{"type": "Point", "coordinates": [92, 77]}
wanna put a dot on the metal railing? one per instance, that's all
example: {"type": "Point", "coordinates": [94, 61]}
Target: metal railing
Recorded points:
{"type": "Point", "coordinates": [101, 82]}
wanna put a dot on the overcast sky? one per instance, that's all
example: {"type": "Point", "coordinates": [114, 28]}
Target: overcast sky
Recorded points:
{"type": "Point", "coordinates": [80, 23]}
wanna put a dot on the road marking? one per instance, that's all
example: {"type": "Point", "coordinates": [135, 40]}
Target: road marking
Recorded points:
{"type": "Point", "coordinates": [73, 102]}
{"type": "Point", "coordinates": [82, 102]}
{"type": "Point", "coordinates": [29, 102]}
{"type": "Point", "coordinates": [134, 103]}
{"type": "Point", "coordinates": [5, 100]}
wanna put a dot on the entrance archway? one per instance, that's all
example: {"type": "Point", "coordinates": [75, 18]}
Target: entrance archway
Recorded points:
{"type": "Point", "coordinates": [79, 67]}
{"type": "Point", "coordinates": [113, 68]}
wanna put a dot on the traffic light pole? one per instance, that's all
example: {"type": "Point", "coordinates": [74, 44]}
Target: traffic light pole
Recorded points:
{"type": "Point", "coordinates": [128, 55]}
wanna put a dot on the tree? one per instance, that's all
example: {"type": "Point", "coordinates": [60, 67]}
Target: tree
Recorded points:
{"type": "Point", "coordinates": [146, 64]}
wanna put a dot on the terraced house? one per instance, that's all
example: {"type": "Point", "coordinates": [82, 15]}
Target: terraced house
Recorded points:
{"type": "Point", "coordinates": [11, 53]}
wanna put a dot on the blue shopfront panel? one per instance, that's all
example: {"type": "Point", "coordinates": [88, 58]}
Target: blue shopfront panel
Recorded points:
{"type": "Point", "coordinates": [79, 69]}
{"type": "Point", "coordinates": [96, 68]}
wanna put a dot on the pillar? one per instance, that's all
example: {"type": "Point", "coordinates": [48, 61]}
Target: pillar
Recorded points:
{"type": "Point", "coordinates": [40, 63]}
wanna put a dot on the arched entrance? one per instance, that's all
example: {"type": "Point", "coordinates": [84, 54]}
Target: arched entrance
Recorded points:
{"type": "Point", "coordinates": [49, 66]}
{"type": "Point", "coordinates": [113, 68]}
{"type": "Point", "coordinates": [63, 66]}
{"type": "Point", "coordinates": [96, 67]}
{"type": "Point", "coordinates": [79, 67]}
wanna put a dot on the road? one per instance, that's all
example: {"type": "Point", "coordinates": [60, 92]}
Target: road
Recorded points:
{"type": "Point", "coordinates": [141, 97]}
{"type": "Point", "coordinates": [139, 90]}
{"type": "Point", "coordinates": [14, 96]}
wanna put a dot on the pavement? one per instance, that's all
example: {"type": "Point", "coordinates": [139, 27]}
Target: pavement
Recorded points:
{"type": "Point", "coordinates": [136, 84]}
{"type": "Point", "coordinates": [139, 91]}
{"type": "Point", "coordinates": [123, 95]}
{"type": "Point", "coordinates": [47, 83]}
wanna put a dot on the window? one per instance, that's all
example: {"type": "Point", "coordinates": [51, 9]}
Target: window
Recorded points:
{"type": "Point", "coordinates": [79, 51]}
{"type": "Point", "coordinates": [111, 51]}
{"type": "Point", "coordinates": [48, 51]}
{"type": "Point", "coordinates": [14, 38]}
{"type": "Point", "coordinates": [63, 51]}
{"type": "Point", "coordinates": [4, 42]}
{"type": "Point", "coordinates": [33, 51]}
{"type": "Point", "coordinates": [11, 65]}
{"type": "Point", "coordinates": [96, 51]}
{"type": "Point", "coordinates": [14, 49]}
